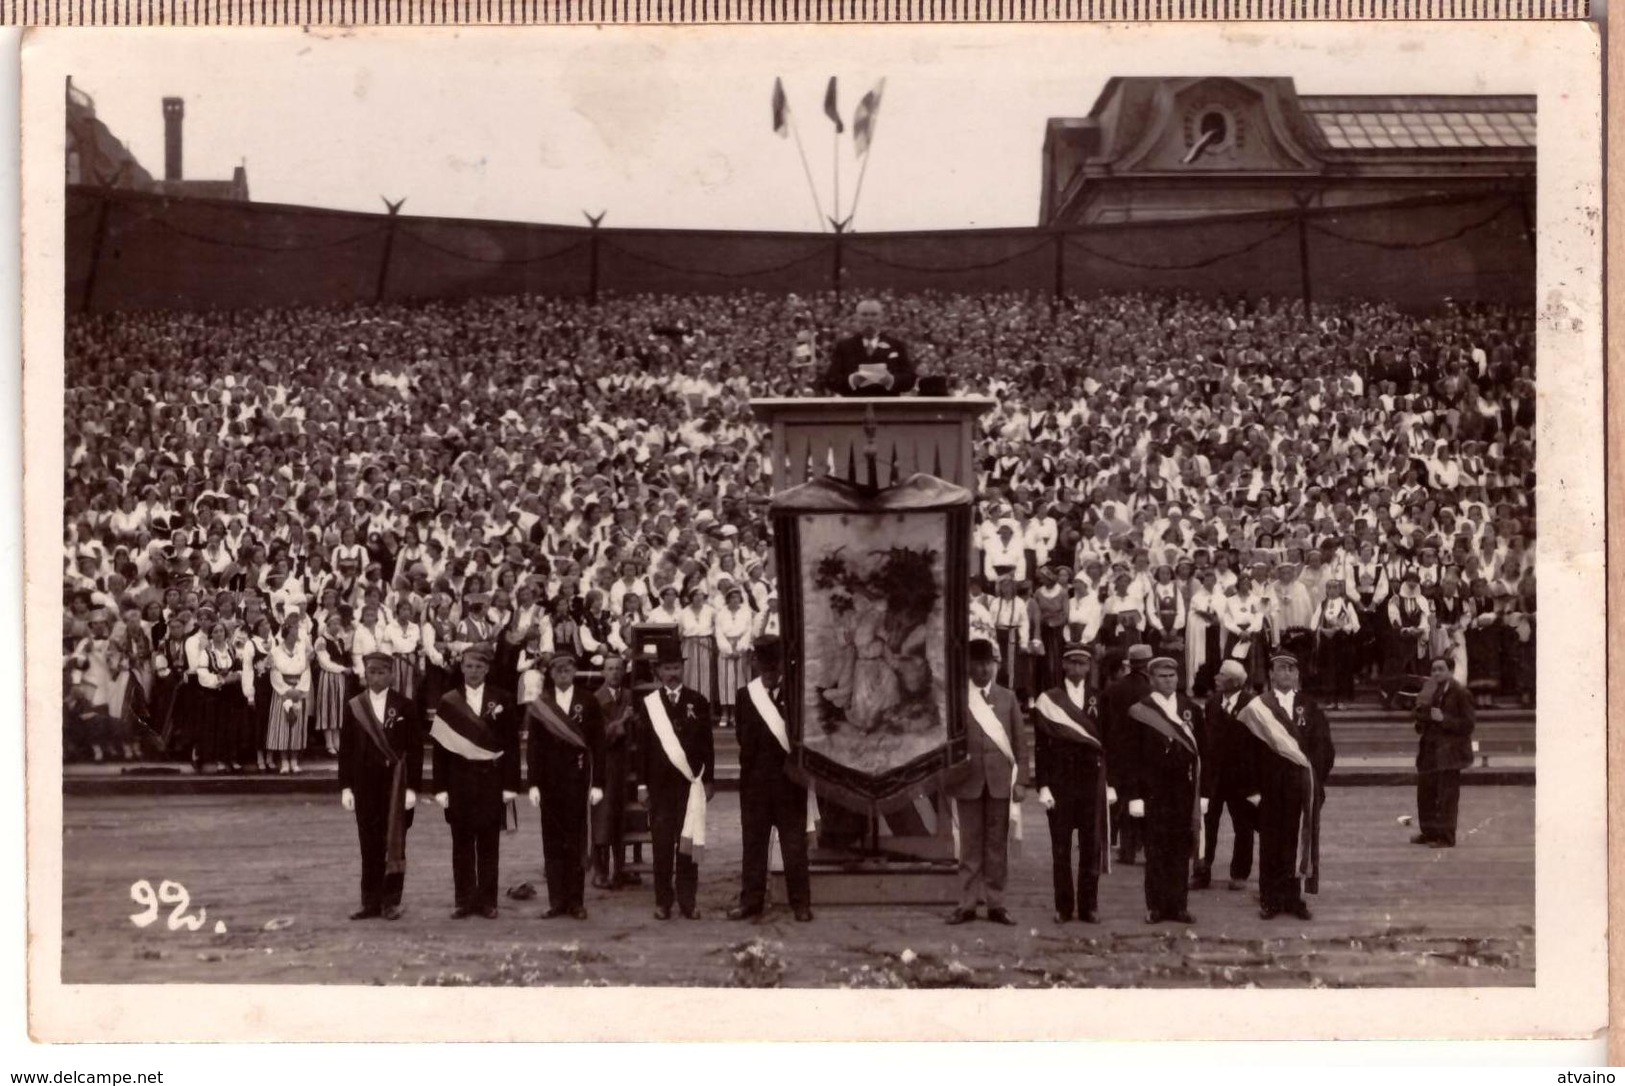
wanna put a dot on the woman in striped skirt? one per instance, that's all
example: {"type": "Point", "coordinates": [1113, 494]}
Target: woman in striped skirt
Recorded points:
{"type": "Point", "coordinates": [697, 625]}
{"type": "Point", "coordinates": [733, 626]}
{"type": "Point", "coordinates": [332, 670]}
{"type": "Point", "coordinates": [404, 636]}
{"type": "Point", "coordinates": [290, 696]}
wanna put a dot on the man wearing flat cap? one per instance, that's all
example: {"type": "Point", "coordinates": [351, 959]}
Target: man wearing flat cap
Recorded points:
{"type": "Point", "coordinates": [1228, 777]}
{"type": "Point", "coordinates": [476, 775]}
{"type": "Point", "coordinates": [566, 763]}
{"type": "Point", "coordinates": [987, 789]}
{"type": "Point", "coordinates": [768, 799]}
{"type": "Point", "coordinates": [1293, 752]}
{"type": "Point", "coordinates": [380, 775]}
{"type": "Point", "coordinates": [679, 774]}
{"type": "Point", "coordinates": [1069, 770]}
{"type": "Point", "coordinates": [1164, 790]}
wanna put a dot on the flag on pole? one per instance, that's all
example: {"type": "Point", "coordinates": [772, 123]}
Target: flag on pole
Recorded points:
{"type": "Point", "coordinates": [831, 110]}
{"type": "Point", "coordinates": [863, 121]}
{"type": "Point", "coordinates": [781, 110]}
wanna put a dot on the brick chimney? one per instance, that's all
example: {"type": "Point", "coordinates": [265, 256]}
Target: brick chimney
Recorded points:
{"type": "Point", "coordinates": [174, 110]}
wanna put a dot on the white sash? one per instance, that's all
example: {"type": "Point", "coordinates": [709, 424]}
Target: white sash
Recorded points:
{"type": "Point", "coordinates": [693, 834]}
{"type": "Point", "coordinates": [990, 724]}
{"type": "Point", "coordinates": [769, 712]}
{"type": "Point", "coordinates": [1056, 715]}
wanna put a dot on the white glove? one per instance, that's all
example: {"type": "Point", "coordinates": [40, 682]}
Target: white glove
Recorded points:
{"type": "Point", "coordinates": [509, 797]}
{"type": "Point", "coordinates": [535, 797]}
{"type": "Point", "coordinates": [643, 793]}
{"type": "Point", "coordinates": [444, 799]}
{"type": "Point", "coordinates": [1111, 795]}
{"type": "Point", "coordinates": [1136, 808]}
{"type": "Point", "coordinates": [595, 796]}
{"type": "Point", "coordinates": [1255, 799]}
{"type": "Point", "coordinates": [347, 800]}
{"type": "Point", "coordinates": [1204, 805]}
{"type": "Point", "coordinates": [1047, 798]}
{"type": "Point", "coordinates": [411, 799]}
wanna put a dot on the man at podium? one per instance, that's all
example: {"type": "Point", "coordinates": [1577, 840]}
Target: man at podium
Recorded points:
{"type": "Point", "coordinates": [870, 363]}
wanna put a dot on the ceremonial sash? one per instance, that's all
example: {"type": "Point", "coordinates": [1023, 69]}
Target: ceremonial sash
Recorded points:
{"type": "Point", "coordinates": [774, 720]}
{"type": "Point", "coordinates": [459, 731]}
{"type": "Point", "coordinates": [546, 710]}
{"type": "Point", "coordinates": [395, 828]}
{"type": "Point", "coordinates": [1059, 713]}
{"type": "Point", "coordinates": [1152, 716]}
{"type": "Point", "coordinates": [693, 833]}
{"type": "Point", "coordinates": [993, 727]}
{"type": "Point", "coordinates": [1262, 716]}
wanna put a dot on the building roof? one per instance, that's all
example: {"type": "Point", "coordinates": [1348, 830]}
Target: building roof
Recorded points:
{"type": "Point", "coordinates": [1410, 122]}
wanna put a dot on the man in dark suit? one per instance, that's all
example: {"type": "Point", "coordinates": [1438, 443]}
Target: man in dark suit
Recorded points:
{"type": "Point", "coordinates": [1444, 720]}
{"type": "Point", "coordinates": [1069, 770]}
{"type": "Point", "coordinates": [768, 799]}
{"type": "Point", "coordinates": [1227, 777]}
{"type": "Point", "coordinates": [621, 768]}
{"type": "Point", "coordinates": [987, 789]}
{"type": "Point", "coordinates": [1293, 753]}
{"type": "Point", "coordinates": [871, 363]}
{"type": "Point", "coordinates": [1122, 746]}
{"type": "Point", "coordinates": [476, 776]}
{"type": "Point", "coordinates": [566, 763]}
{"type": "Point", "coordinates": [1164, 791]}
{"type": "Point", "coordinates": [679, 774]}
{"type": "Point", "coordinates": [380, 773]}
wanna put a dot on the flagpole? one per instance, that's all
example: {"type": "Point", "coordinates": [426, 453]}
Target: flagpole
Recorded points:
{"type": "Point", "coordinates": [857, 194]}
{"type": "Point", "coordinates": [835, 154]}
{"type": "Point", "coordinates": [818, 207]}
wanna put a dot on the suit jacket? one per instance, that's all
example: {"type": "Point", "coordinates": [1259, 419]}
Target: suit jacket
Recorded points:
{"type": "Point", "coordinates": [1229, 766]}
{"type": "Point", "coordinates": [850, 353]}
{"type": "Point", "coordinates": [761, 759]}
{"type": "Point", "coordinates": [474, 788]}
{"type": "Point", "coordinates": [1069, 768]}
{"type": "Point", "coordinates": [1164, 768]}
{"type": "Point", "coordinates": [362, 766]}
{"type": "Point", "coordinates": [1122, 734]}
{"type": "Point", "coordinates": [557, 766]}
{"type": "Point", "coordinates": [622, 760]}
{"type": "Point", "coordinates": [691, 721]}
{"type": "Point", "coordinates": [1447, 743]}
{"type": "Point", "coordinates": [987, 767]}
{"type": "Point", "coordinates": [1314, 736]}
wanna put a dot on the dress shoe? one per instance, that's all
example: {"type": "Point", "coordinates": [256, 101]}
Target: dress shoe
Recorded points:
{"type": "Point", "coordinates": [366, 914]}
{"type": "Point", "coordinates": [554, 912]}
{"type": "Point", "coordinates": [1153, 917]}
{"type": "Point", "coordinates": [962, 916]}
{"type": "Point", "coordinates": [579, 912]}
{"type": "Point", "coordinates": [1062, 918]}
{"type": "Point", "coordinates": [392, 912]}
{"type": "Point", "coordinates": [1089, 916]}
{"type": "Point", "coordinates": [1183, 917]}
{"type": "Point", "coordinates": [1300, 910]}
{"type": "Point", "coordinates": [999, 916]}
{"type": "Point", "coordinates": [741, 912]}
{"type": "Point", "coordinates": [803, 915]}
{"type": "Point", "coordinates": [691, 913]}
{"type": "Point", "coordinates": [1268, 912]}
{"type": "Point", "coordinates": [1236, 884]}
{"type": "Point", "coordinates": [663, 912]}
{"type": "Point", "coordinates": [1438, 842]}
{"type": "Point", "coordinates": [489, 912]}
{"type": "Point", "coordinates": [1422, 839]}
{"type": "Point", "coordinates": [1201, 880]}
{"type": "Point", "coordinates": [461, 912]}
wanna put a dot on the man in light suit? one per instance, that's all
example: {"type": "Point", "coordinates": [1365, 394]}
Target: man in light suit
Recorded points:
{"type": "Point", "coordinates": [986, 787]}
{"type": "Point", "coordinates": [871, 363]}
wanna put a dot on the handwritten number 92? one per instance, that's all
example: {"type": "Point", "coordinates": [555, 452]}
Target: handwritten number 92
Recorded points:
{"type": "Point", "coordinates": [168, 893]}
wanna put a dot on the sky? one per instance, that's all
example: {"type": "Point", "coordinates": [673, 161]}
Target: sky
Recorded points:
{"type": "Point", "coordinates": [670, 127]}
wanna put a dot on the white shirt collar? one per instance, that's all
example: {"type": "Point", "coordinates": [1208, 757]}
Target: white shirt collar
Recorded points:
{"type": "Point", "coordinates": [1169, 703]}
{"type": "Point", "coordinates": [475, 696]}
{"type": "Point", "coordinates": [564, 696]}
{"type": "Point", "coordinates": [1286, 698]}
{"type": "Point", "coordinates": [1078, 692]}
{"type": "Point", "coordinates": [379, 700]}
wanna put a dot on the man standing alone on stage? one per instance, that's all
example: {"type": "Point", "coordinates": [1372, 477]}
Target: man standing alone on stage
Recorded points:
{"type": "Point", "coordinates": [1444, 720]}
{"type": "Point", "coordinates": [380, 773]}
{"type": "Point", "coordinates": [987, 792]}
{"type": "Point", "coordinates": [679, 778]}
{"type": "Point", "coordinates": [768, 799]}
{"type": "Point", "coordinates": [1069, 769]}
{"type": "Point", "coordinates": [1293, 751]}
{"type": "Point", "coordinates": [871, 363]}
{"type": "Point", "coordinates": [476, 776]}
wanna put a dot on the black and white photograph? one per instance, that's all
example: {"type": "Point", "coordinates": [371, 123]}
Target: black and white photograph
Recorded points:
{"type": "Point", "coordinates": [1113, 516]}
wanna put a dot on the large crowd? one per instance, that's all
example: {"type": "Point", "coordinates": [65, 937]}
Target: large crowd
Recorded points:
{"type": "Point", "coordinates": [254, 501]}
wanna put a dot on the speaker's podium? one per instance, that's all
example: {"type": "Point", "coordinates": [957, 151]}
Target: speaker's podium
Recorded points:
{"type": "Point", "coordinates": [872, 516]}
